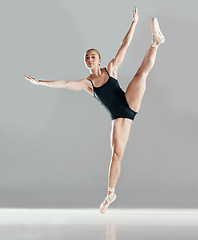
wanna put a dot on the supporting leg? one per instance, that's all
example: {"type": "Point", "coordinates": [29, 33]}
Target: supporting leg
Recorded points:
{"type": "Point", "coordinates": [114, 170]}
{"type": "Point", "coordinates": [119, 138]}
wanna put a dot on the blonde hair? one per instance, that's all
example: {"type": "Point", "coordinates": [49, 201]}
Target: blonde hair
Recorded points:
{"type": "Point", "coordinates": [94, 50]}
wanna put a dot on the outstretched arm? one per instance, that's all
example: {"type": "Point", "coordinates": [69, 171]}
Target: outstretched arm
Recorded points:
{"type": "Point", "coordinates": [118, 59]}
{"type": "Point", "coordinates": [72, 85]}
{"type": "Point", "coordinates": [55, 83]}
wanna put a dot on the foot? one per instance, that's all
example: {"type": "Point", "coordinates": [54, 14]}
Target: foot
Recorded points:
{"type": "Point", "coordinates": [158, 37]}
{"type": "Point", "coordinates": [107, 201]}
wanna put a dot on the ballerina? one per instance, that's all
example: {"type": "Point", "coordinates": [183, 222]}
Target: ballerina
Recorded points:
{"type": "Point", "coordinates": [122, 106]}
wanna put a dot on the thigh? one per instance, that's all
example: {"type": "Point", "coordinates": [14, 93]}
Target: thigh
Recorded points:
{"type": "Point", "coordinates": [119, 135]}
{"type": "Point", "coordinates": [135, 91]}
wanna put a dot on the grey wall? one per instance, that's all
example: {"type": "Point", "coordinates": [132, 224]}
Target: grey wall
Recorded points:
{"type": "Point", "coordinates": [54, 143]}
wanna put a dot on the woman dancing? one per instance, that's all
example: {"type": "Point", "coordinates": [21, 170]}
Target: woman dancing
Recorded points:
{"type": "Point", "coordinates": [122, 106]}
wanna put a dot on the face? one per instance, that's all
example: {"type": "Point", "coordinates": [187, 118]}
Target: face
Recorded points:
{"type": "Point", "coordinates": [92, 59]}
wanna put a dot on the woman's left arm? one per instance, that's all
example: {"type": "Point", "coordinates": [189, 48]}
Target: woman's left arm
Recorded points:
{"type": "Point", "coordinates": [129, 35]}
{"type": "Point", "coordinates": [118, 59]}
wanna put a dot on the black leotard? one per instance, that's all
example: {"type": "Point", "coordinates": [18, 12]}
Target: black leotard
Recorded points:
{"type": "Point", "coordinates": [112, 98]}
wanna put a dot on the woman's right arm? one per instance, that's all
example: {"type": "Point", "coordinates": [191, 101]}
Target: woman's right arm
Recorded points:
{"type": "Point", "coordinates": [72, 85]}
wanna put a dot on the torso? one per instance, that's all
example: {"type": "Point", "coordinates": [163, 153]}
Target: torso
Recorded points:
{"type": "Point", "coordinates": [99, 81]}
{"type": "Point", "coordinates": [107, 91]}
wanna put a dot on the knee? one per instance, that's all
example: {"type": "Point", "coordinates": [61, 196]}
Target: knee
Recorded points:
{"type": "Point", "coordinates": [117, 155]}
{"type": "Point", "coordinates": [141, 74]}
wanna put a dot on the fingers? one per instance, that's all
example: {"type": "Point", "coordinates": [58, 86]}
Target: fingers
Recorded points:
{"type": "Point", "coordinates": [28, 77]}
{"type": "Point", "coordinates": [135, 11]}
{"type": "Point", "coordinates": [135, 15]}
{"type": "Point", "coordinates": [31, 79]}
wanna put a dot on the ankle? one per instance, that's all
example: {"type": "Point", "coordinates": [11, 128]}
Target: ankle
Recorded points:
{"type": "Point", "coordinates": [111, 190]}
{"type": "Point", "coordinates": [155, 44]}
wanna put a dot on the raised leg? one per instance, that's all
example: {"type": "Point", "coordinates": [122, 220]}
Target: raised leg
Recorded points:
{"type": "Point", "coordinates": [136, 88]}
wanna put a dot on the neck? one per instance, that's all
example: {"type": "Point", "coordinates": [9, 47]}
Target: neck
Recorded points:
{"type": "Point", "coordinates": [96, 71]}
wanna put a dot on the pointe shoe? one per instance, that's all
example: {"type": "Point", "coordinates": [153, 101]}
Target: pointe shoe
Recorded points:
{"type": "Point", "coordinates": [107, 201]}
{"type": "Point", "coordinates": [158, 37]}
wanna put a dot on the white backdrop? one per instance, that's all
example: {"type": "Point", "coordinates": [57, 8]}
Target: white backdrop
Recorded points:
{"type": "Point", "coordinates": [55, 149]}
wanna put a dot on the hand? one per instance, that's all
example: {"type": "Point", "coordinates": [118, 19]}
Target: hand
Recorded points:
{"type": "Point", "coordinates": [135, 15]}
{"type": "Point", "coordinates": [32, 80]}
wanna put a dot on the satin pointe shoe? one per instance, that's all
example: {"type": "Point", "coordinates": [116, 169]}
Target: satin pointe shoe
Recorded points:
{"type": "Point", "coordinates": [158, 37]}
{"type": "Point", "coordinates": [108, 200]}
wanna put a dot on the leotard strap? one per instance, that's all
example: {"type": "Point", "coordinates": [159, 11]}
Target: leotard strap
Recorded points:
{"type": "Point", "coordinates": [91, 82]}
{"type": "Point", "coordinates": [107, 71]}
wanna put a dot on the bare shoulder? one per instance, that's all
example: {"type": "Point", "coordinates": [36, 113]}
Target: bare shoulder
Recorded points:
{"type": "Point", "coordinates": [86, 85]}
{"type": "Point", "coordinates": [112, 70]}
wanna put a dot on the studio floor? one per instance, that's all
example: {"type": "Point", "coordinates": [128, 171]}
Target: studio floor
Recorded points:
{"type": "Point", "coordinates": [89, 224]}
